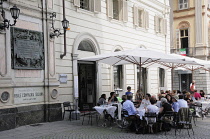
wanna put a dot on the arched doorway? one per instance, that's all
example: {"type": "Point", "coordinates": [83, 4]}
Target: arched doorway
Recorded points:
{"type": "Point", "coordinates": [86, 76]}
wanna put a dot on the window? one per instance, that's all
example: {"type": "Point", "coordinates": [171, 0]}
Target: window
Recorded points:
{"type": "Point", "coordinates": [161, 77]}
{"type": "Point", "coordinates": [118, 76]}
{"type": "Point", "coordinates": [160, 25]}
{"type": "Point", "coordinates": [140, 17]}
{"type": "Point", "coordinates": [184, 42]}
{"type": "Point", "coordinates": [117, 9]}
{"type": "Point", "coordinates": [143, 85]}
{"type": "Point", "coordinates": [90, 5]}
{"type": "Point", "coordinates": [86, 46]}
{"type": "Point", "coordinates": [85, 4]}
{"type": "Point", "coordinates": [183, 4]}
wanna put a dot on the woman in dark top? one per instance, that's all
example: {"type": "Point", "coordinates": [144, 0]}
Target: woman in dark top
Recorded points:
{"type": "Point", "coordinates": [112, 98]}
{"type": "Point", "coordinates": [102, 99]}
{"type": "Point", "coordinates": [202, 93]}
{"type": "Point", "coordinates": [169, 98]}
{"type": "Point", "coordinates": [166, 107]}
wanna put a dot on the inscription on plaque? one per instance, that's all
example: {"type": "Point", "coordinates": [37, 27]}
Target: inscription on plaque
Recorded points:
{"type": "Point", "coordinates": [28, 95]}
{"type": "Point", "coordinates": [27, 49]}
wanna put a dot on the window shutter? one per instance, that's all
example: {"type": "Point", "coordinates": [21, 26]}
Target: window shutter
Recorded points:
{"type": "Point", "coordinates": [109, 6]}
{"type": "Point", "coordinates": [146, 19]}
{"type": "Point", "coordinates": [77, 3]}
{"type": "Point", "coordinates": [97, 6]}
{"type": "Point", "coordinates": [135, 15]}
{"type": "Point", "coordinates": [156, 24]}
{"type": "Point", "coordinates": [125, 11]}
{"type": "Point", "coordinates": [165, 26]}
{"type": "Point", "coordinates": [178, 38]}
{"type": "Point", "coordinates": [121, 10]}
{"type": "Point", "coordinates": [143, 19]}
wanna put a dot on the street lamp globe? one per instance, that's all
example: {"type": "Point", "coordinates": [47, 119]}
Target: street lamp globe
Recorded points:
{"type": "Point", "coordinates": [15, 12]}
{"type": "Point", "coordinates": [65, 23]}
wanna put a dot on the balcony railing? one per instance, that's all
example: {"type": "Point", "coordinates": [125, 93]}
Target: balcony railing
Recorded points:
{"type": "Point", "coordinates": [192, 51]}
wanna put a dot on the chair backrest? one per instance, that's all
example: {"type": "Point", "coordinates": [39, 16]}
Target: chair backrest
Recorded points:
{"type": "Point", "coordinates": [150, 117]}
{"type": "Point", "coordinates": [67, 105]}
{"type": "Point", "coordinates": [125, 113]}
{"type": "Point", "coordinates": [184, 114]}
{"type": "Point", "coordinates": [150, 114]}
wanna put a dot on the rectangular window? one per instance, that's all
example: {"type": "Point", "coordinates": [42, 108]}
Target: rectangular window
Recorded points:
{"type": "Point", "coordinates": [161, 77]}
{"type": "Point", "coordinates": [116, 9]}
{"type": "Point", "coordinates": [118, 76]}
{"type": "Point", "coordinates": [183, 4]}
{"type": "Point", "coordinates": [143, 86]}
{"type": "Point", "coordinates": [85, 4]}
{"type": "Point", "coordinates": [184, 42]}
{"type": "Point", "coordinates": [140, 18]}
{"type": "Point", "coordinates": [160, 22]}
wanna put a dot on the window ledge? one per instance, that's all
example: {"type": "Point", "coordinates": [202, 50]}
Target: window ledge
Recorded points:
{"type": "Point", "coordinates": [141, 29]}
{"type": "Point", "coordinates": [160, 34]}
{"type": "Point", "coordinates": [87, 12]}
{"type": "Point", "coordinates": [119, 22]}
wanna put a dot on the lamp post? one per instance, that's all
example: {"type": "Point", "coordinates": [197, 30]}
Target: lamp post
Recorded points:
{"type": "Point", "coordinates": [14, 13]}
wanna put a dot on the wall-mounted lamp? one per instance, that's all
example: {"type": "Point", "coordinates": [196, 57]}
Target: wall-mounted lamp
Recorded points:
{"type": "Point", "coordinates": [56, 32]}
{"type": "Point", "coordinates": [14, 13]}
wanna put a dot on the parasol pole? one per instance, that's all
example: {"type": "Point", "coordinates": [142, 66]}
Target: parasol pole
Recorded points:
{"type": "Point", "coordinates": [140, 74]}
{"type": "Point", "coordinates": [172, 77]}
{"type": "Point", "coordinates": [192, 74]}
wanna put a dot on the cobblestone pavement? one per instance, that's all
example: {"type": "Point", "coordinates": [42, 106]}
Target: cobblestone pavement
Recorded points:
{"type": "Point", "coordinates": [75, 130]}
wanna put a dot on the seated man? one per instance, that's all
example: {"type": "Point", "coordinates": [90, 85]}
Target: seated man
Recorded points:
{"type": "Point", "coordinates": [152, 108]}
{"type": "Point", "coordinates": [182, 102]}
{"type": "Point", "coordinates": [130, 108]}
{"type": "Point", "coordinates": [145, 102]}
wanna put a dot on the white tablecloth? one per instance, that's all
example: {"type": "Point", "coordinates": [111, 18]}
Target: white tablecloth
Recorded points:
{"type": "Point", "coordinates": [110, 109]}
{"type": "Point", "coordinates": [141, 112]}
{"type": "Point", "coordinates": [205, 104]}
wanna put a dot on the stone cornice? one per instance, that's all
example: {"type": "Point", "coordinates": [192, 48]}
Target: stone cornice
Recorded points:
{"type": "Point", "coordinates": [184, 10]}
{"type": "Point", "coordinates": [154, 7]}
{"type": "Point", "coordinates": [185, 16]}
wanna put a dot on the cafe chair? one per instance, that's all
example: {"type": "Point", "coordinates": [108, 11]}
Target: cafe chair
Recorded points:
{"type": "Point", "coordinates": [184, 117]}
{"type": "Point", "coordinates": [151, 121]}
{"type": "Point", "coordinates": [168, 119]}
{"type": "Point", "coordinates": [67, 107]}
{"type": "Point", "coordinates": [124, 123]}
{"type": "Point", "coordinates": [89, 112]}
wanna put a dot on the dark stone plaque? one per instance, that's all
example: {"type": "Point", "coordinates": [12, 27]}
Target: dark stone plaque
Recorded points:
{"type": "Point", "coordinates": [27, 49]}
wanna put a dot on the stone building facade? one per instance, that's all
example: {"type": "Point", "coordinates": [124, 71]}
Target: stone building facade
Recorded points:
{"type": "Point", "coordinates": [190, 36]}
{"type": "Point", "coordinates": [32, 95]}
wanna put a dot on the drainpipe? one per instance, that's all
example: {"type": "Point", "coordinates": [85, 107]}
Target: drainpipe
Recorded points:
{"type": "Point", "coordinates": [46, 75]}
{"type": "Point", "coordinates": [64, 15]}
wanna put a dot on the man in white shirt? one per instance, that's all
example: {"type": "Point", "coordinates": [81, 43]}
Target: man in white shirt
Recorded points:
{"type": "Point", "coordinates": [152, 108]}
{"type": "Point", "coordinates": [145, 102]}
{"type": "Point", "coordinates": [182, 102]}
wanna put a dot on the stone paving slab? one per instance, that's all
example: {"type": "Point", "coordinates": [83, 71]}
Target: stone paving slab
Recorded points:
{"type": "Point", "coordinates": [75, 130]}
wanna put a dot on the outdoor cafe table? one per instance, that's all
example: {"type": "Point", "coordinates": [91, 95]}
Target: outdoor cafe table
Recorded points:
{"type": "Point", "coordinates": [109, 109]}
{"type": "Point", "coordinates": [205, 104]}
{"type": "Point", "coordinates": [141, 112]}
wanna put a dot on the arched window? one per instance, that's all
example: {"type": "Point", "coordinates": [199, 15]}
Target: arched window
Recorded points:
{"type": "Point", "coordinates": [86, 46]}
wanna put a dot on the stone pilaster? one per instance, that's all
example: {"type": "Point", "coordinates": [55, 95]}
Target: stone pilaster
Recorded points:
{"type": "Point", "coordinates": [198, 23]}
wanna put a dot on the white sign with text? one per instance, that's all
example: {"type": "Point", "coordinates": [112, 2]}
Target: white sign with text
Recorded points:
{"type": "Point", "coordinates": [28, 95]}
